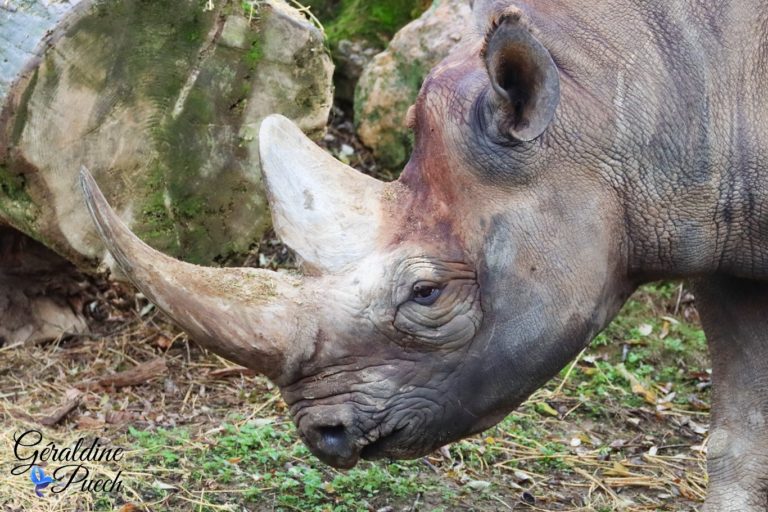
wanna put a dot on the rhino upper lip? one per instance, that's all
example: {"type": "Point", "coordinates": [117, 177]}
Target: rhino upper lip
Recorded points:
{"type": "Point", "coordinates": [368, 449]}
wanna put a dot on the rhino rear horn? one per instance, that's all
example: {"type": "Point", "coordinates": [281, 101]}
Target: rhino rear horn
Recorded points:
{"type": "Point", "coordinates": [523, 75]}
{"type": "Point", "coordinates": [324, 210]}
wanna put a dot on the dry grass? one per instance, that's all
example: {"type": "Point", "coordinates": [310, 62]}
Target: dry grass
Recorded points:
{"type": "Point", "coordinates": [591, 440]}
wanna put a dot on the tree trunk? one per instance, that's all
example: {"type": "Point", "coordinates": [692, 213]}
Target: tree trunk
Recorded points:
{"type": "Point", "coordinates": [162, 101]}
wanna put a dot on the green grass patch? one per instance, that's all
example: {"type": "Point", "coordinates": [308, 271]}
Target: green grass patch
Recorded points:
{"type": "Point", "coordinates": [375, 21]}
{"type": "Point", "coordinates": [263, 461]}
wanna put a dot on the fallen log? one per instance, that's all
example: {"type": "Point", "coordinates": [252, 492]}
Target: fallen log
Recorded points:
{"type": "Point", "coordinates": [162, 100]}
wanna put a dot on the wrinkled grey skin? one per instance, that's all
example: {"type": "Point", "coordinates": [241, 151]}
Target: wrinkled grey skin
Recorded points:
{"type": "Point", "coordinates": [536, 214]}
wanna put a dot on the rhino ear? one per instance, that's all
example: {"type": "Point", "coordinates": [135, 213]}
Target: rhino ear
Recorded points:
{"type": "Point", "coordinates": [523, 75]}
{"type": "Point", "coordinates": [324, 210]}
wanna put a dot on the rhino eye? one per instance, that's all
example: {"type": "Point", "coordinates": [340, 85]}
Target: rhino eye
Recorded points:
{"type": "Point", "coordinates": [425, 293]}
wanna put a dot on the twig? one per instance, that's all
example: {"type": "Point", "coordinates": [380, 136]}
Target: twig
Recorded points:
{"type": "Point", "coordinates": [568, 373]}
{"type": "Point", "coordinates": [600, 484]}
{"type": "Point", "coordinates": [679, 298]}
{"type": "Point", "coordinates": [233, 371]}
{"type": "Point", "coordinates": [306, 10]}
{"type": "Point", "coordinates": [63, 411]}
{"type": "Point", "coordinates": [139, 374]}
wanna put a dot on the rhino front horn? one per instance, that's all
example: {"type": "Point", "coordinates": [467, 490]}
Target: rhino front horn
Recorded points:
{"type": "Point", "coordinates": [243, 314]}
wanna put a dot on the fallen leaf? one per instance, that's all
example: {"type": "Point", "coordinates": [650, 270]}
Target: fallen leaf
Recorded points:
{"type": "Point", "coordinates": [699, 429]}
{"type": "Point", "coordinates": [546, 409]}
{"type": "Point", "coordinates": [163, 342]}
{"type": "Point", "coordinates": [637, 387]}
{"type": "Point", "coordinates": [618, 469]}
{"type": "Point", "coordinates": [88, 423]}
{"type": "Point", "coordinates": [164, 486]}
{"type": "Point", "coordinates": [618, 443]}
{"type": "Point", "coordinates": [664, 330]}
{"type": "Point", "coordinates": [478, 485]}
{"type": "Point", "coordinates": [119, 417]}
{"type": "Point", "coordinates": [522, 476]}
{"type": "Point", "coordinates": [698, 403]}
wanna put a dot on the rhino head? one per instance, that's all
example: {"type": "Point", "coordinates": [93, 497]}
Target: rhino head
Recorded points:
{"type": "Point", "coordinates": [429, 307]}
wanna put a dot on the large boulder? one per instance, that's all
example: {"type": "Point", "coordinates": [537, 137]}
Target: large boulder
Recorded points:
{"type": "Point", "coordinates": [359, 29]}
{"type": "Point", "coordinates": [162, 101]}
{"type": "Point", "coordinates": [391, 82]}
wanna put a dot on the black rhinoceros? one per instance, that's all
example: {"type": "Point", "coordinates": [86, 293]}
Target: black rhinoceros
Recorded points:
{"type": "Point", "coordinates": [565, 153]}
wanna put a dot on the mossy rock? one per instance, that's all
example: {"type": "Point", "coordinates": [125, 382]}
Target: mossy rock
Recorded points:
{"type": "Point", "coordinates": [391, 82]}
{"type": "Point", "coordinates": [162, 101]}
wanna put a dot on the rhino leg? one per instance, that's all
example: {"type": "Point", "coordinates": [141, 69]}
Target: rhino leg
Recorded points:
{"type": "Point", "coordinates": [735, 317]}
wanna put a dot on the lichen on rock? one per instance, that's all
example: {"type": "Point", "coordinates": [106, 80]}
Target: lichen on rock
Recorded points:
{"type": "Point", "coordinates": [391, 82]}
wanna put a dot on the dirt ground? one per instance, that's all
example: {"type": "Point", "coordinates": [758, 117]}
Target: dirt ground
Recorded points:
{"type": "Point", "coordinates": [201, 434]}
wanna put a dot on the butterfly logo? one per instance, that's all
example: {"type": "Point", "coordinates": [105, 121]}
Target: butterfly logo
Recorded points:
{"type": "Point", "coordinates": [40, 479]}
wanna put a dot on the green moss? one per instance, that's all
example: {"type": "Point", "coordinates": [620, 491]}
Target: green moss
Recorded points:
{"type": "Point", "coordinates": [13, 186]}
{"type": "Point", "coordinates": [191, 195]}
{"type": "Point", "coordinates": [150, 50]}
{"type": "Point", "coordinates": [159, 229]}
{"type": "Point", "coordinates": [202, 192]}
{"type": "Point", "coordinates": [375, 21]}
{"type": "Point", "coordinates": [52, 73]}
{"type": "Point", "coordinates": [255, 53]}
{"type": "Point", "coordinates": [148, 47]}
{"type": "Point", "coordinates": [412, 74]}
{"type": "Point", "coordinates": [396, 142]}
{"type": "Point", "coordinates": [16, 205]}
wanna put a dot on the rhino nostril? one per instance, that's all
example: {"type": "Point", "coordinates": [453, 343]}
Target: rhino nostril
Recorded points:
{"type": "Point", "coordinates": [334, 438]}
{"type": "Point", "coordinates": [333, 444]}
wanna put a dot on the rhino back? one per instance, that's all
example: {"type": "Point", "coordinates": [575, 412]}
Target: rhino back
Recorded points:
{"type": "Point", "coordinates": [664, 99]}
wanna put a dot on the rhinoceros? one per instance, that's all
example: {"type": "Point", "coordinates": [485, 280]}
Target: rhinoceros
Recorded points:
{"type": "Point", "coordinates": [565, 153]}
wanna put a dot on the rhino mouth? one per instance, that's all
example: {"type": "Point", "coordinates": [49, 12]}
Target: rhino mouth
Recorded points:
{"type": "Point", "coordinates": [340, 448]}
{"type": "Point", "coordinates": [383, 447]}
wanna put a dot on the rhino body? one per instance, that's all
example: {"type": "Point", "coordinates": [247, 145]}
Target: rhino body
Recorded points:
{"type": "Point", "coordinates": [565, 153]}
